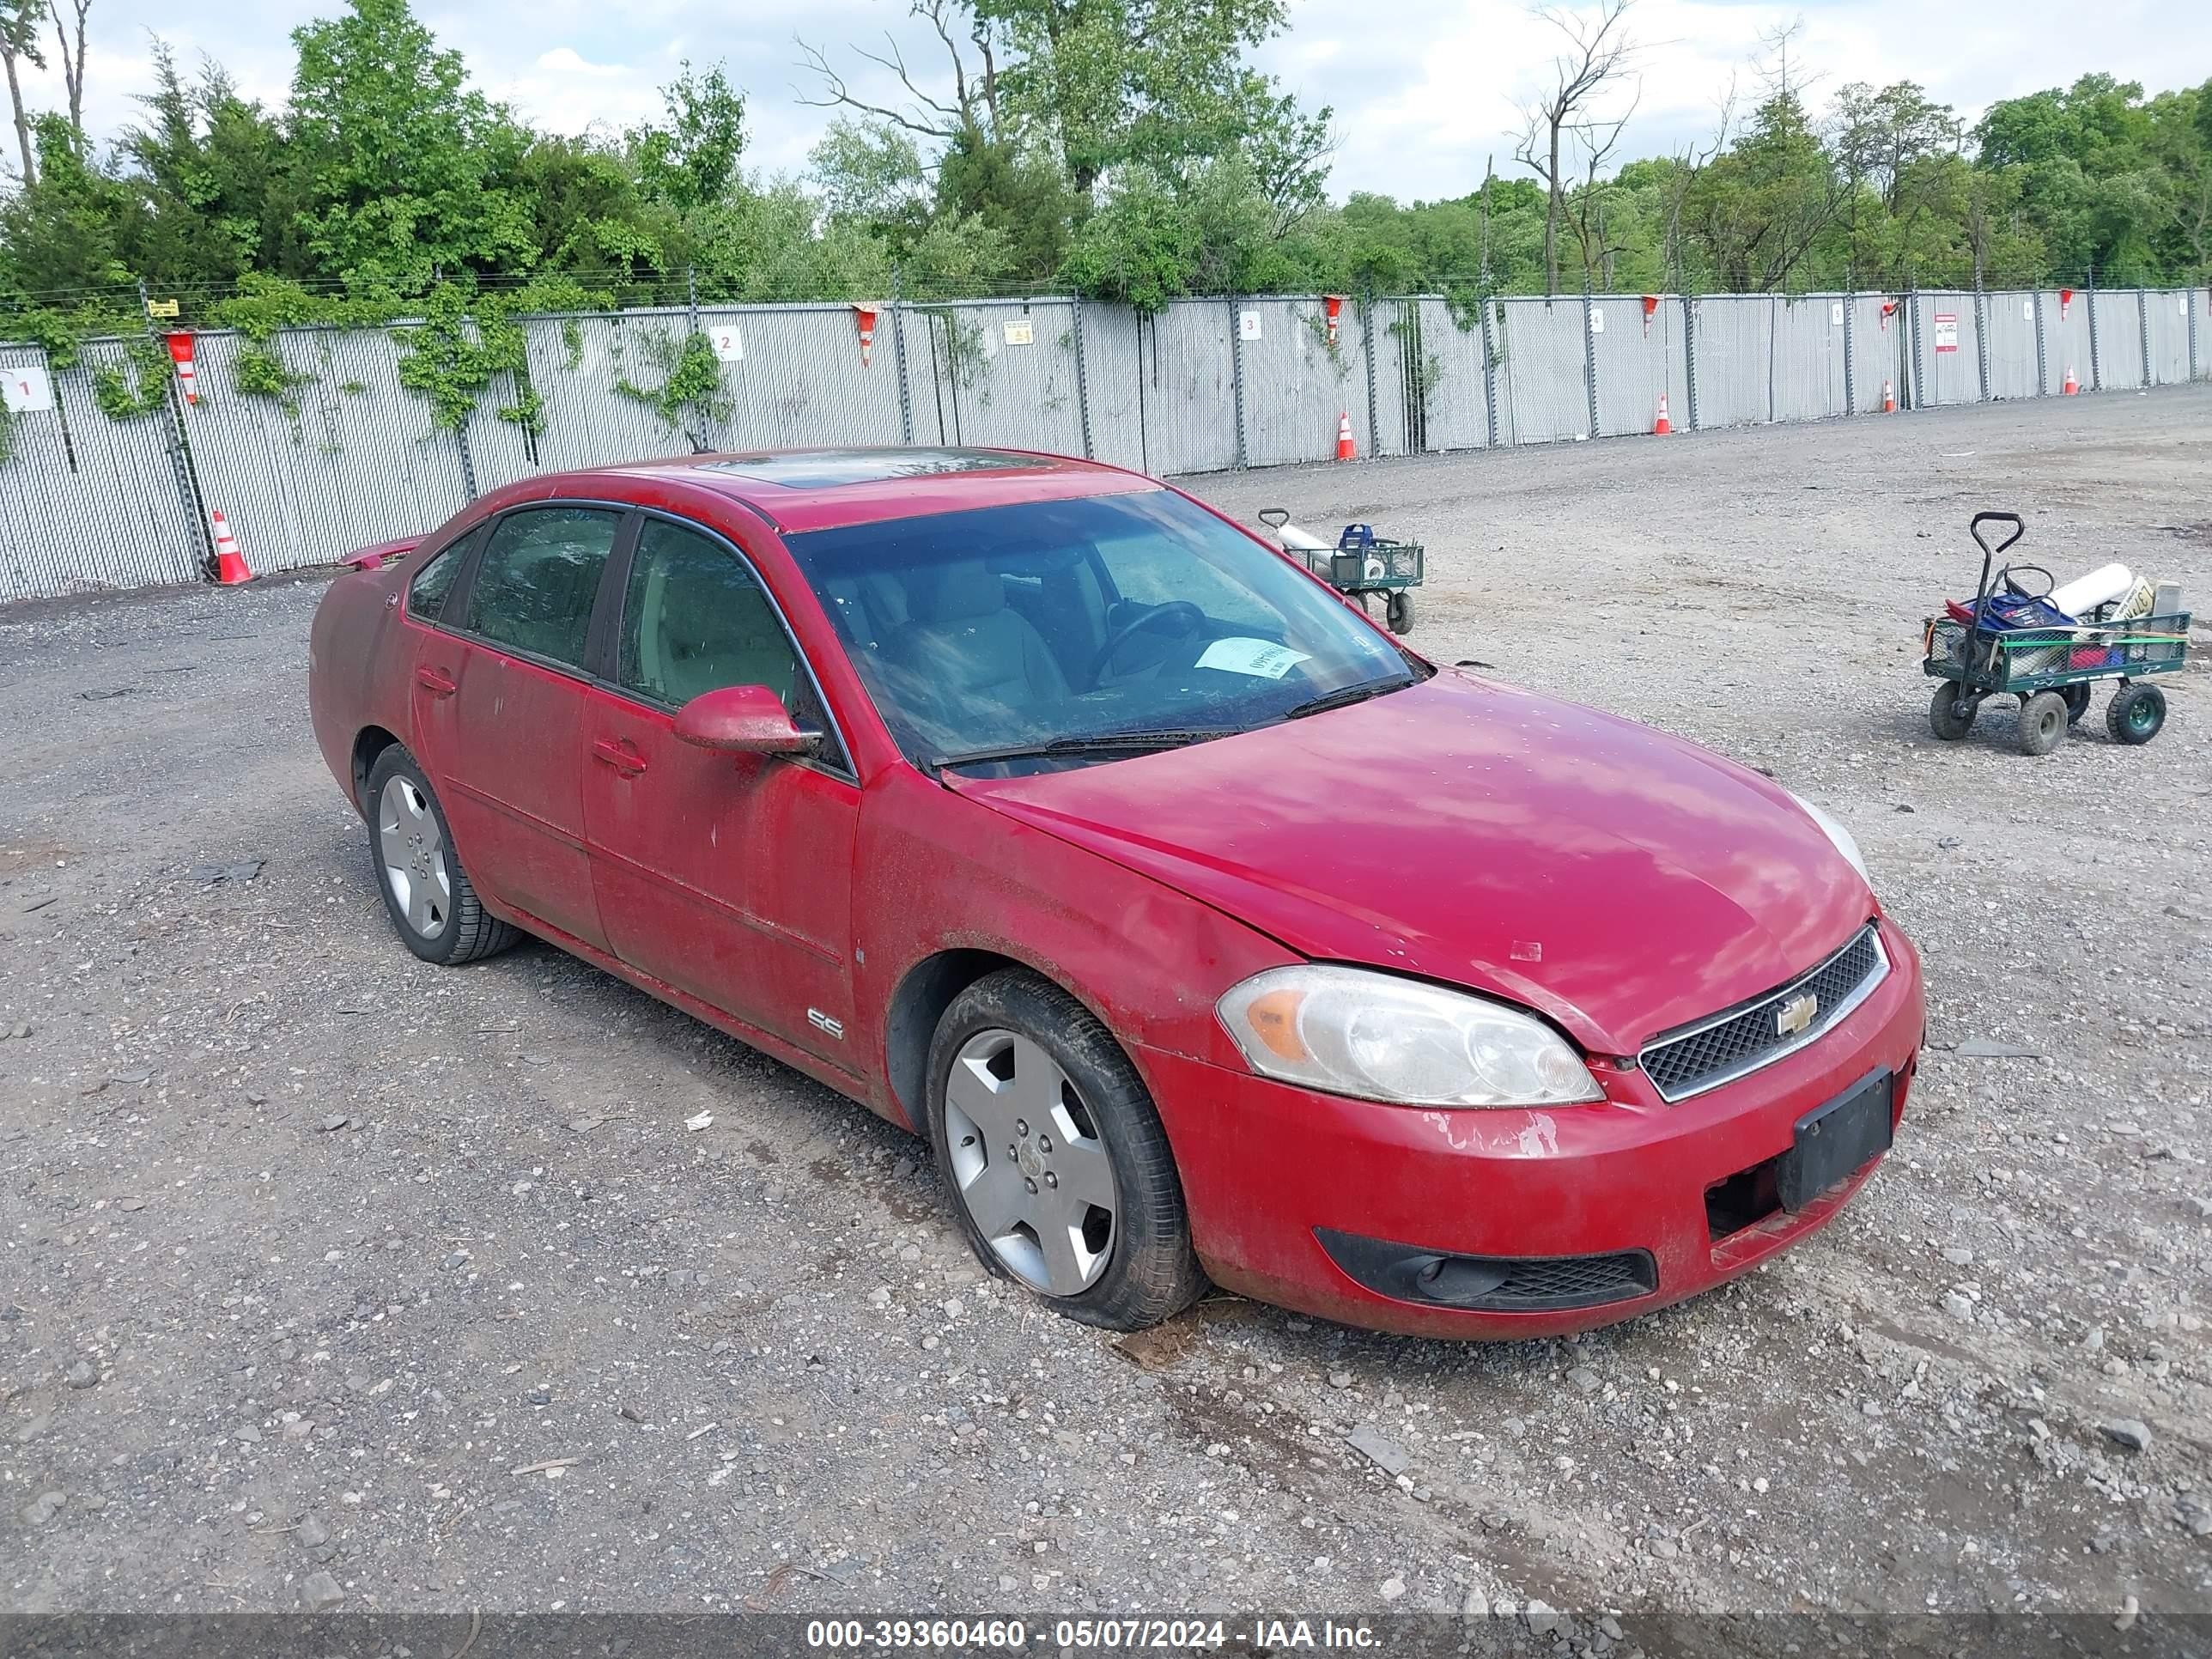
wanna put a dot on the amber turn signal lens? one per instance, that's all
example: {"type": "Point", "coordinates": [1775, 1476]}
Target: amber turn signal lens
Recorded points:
{"type": "Point", "coordinates": [1274, 1020]}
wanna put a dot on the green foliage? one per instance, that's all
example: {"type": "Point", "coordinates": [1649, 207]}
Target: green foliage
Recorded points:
{"type": "Point", "coordinates": [456, 352]}
{"type": "Point", "coordinates": [137, 385]}
{"type": "Point", "coordinates": [691, 383]}
{"type": "Point", "coordinates": [572, 344]}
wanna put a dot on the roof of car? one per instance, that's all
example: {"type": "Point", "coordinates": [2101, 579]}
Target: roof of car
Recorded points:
{"type": "Point", "coordinates": [802, 489]}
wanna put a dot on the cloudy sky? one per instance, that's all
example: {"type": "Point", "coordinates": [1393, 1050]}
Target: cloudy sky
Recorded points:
{"type": "Point", "coordinates": [1424, 90]}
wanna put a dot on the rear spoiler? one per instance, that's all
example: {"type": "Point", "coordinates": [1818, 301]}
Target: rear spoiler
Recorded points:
{"type": "Point", "coordinates": [373, 557]}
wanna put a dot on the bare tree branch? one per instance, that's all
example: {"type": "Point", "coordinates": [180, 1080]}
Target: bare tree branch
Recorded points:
{"type": "Point", "coordinates": [1599, 52]}
{"type": "Point", "coordinates": [73, 60]}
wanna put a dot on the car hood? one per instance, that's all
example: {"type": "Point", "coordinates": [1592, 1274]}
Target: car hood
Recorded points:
{"type": "Point", "coordinates": [1618, 879]}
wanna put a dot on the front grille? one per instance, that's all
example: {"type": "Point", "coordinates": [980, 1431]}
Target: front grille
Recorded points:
{"type": "Point", "coordinates": [1744, 1039]}
{"type": "Point", "coordinates": [1536, 1283]}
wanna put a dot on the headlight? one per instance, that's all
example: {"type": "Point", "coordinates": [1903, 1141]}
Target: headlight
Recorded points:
{"type": "Point", "coordinates": [1837, 835]}
{"type": "Point", "coordinates": [1374, 1037]}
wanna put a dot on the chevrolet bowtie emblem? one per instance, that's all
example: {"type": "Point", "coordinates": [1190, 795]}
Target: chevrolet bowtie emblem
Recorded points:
{"type": "Point", "coordinates": [1794, 1015]}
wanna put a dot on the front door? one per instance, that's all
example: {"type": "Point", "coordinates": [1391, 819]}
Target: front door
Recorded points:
{"type": "Point", "coordinates": [729, 877]}
{"type": "Point", "coordinates": [500, 708]}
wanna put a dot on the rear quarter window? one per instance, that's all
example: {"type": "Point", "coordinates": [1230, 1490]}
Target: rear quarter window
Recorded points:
{"type": "Point", "coordinates": [428, 587]}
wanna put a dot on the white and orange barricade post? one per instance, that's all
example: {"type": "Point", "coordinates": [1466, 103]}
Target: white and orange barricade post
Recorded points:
{"type": "Point", "coordinates": [866, 317]}
{"type": "Point", "coordinates": [1662, 427]}
{"type": "Point", "coordinates": [1333, 305]}
{"type": "Point", "coordinates": [180, 354]}
{"type": "Point", "coordinates": [1346, 448]}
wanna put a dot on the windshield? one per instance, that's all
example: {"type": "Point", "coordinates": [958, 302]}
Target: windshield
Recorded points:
{"type": "Point", "coordinates": [1075, 622]}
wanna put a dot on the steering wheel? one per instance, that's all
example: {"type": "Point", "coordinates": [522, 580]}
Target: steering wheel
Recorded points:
{"type": "Point", "coordinates": [2019, 592]}
{"type": "Point", "coordinates": [1189, 615]}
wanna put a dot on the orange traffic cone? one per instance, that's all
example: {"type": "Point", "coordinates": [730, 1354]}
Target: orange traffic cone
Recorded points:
{"type": "Point", "coordinates": [1345, 449]}
{"type": "Point", "coordinates": [1888, 398]}
{"type": "Point", "coordinates": [1662, 427]}
{"type": "Point", "coordinates": [230, 567]}
{"type": "Point", "coordinates": [2072, 386]}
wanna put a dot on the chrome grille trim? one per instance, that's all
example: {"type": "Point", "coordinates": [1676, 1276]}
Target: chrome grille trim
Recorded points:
{"type": "Point", "coordinates": [1672, 1086]}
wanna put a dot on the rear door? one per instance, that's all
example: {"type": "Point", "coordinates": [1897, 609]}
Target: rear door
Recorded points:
{"type": "Point", "coordinates": [499, 710]}
{"type": "Point", "coordinates": [726, 877]}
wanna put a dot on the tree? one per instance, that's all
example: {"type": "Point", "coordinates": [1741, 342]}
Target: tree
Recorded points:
{"type": "Point", "coordinates": [403, 166]}
{"type": "Point", "coordinates": [692, 162]}
{"type": "Point", "coordinates": [1598, 54]}
{"type": "Point", "coordinates": [19, 41]}
{"type": "Point", "coordinates": [73, 59]}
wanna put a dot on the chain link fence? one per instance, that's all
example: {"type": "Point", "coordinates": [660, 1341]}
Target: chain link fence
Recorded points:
{"type": "Point", "coordinates": [333, 451]}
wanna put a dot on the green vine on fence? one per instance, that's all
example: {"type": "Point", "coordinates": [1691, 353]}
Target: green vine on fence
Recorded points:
{"type": "Point", "coordinates": [691, 379]}
{"type": "Point", "coordinates": [137, 385]}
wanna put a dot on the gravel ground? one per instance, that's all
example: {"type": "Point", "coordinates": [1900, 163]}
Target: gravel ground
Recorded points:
{"type": "Point", "coordinates": [329, 1274]}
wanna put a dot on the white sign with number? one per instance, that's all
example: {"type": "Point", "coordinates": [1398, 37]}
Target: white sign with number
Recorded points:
{"type": "Point", "coordinates": [1597, 319]}
{"type": "Point", "coordinates": [2027, 311]}
{"type": "Point", "coordinates": [1248, 325]}
{"type": "Point", "coordinates": [1836, 314]}
{"type": "Point", "coordinates": [27, 390]}
{"type": "Point", "coordinates": [729, 344]}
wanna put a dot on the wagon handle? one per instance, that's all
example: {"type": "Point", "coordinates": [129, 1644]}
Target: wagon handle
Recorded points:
{"type": "Point", "coordinates": [2011, 518]}
{"type": "Point", "coordinates": [1274, 517]}
{"type": "Point", "coordinates": [1988, 558]}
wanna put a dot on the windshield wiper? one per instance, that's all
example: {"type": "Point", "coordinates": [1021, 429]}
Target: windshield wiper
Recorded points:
{"type": "Point", "coordinates": [1345, 696]}
{"type": "Point", "coordinates": [1106, 742]}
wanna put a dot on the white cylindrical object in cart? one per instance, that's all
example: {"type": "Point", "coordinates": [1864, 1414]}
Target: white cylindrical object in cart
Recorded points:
{"type": "Point", "coordinates": [2100, 587]}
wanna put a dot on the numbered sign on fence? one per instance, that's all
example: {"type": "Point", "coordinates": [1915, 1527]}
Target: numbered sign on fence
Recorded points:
{"type": "Point", "coordinates": [729, 344]}
{"type": "Point", "coordinates": [1248, 325]}
{"type": "Point", "coordinates": [1020, 330]}
{"type": "Point", "coordinates": [27, 390]}
{"type": "Point", "coordinates": [1835, 314]}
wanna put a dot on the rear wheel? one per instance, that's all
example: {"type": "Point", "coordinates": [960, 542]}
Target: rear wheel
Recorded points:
{"type": "Point", "coordinates": [1401, 611]}
{"type": "Point", "coordinates": [2077, 700]}
{"type": "Point", "coordinates": [2136, 714]}
{"type": "Point", "coordinates": [1054, 1157]}
{"type": "Point", "coordinates": [426, 892]}
{"type": "Point", "coordinates": [1951, 712]}
{"type": "Point", "coordinates": [2042, 723]}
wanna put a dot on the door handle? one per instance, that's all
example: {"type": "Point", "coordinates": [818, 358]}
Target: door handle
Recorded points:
{"type": "Point", "coordinates": [435, 680]}
{"type": "Point", "coordinates": [620, 755]}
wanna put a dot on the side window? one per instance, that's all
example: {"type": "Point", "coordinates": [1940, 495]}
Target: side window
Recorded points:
{"type": "Point", "coordinates": [428, 587]}
{"type": "Point", "coordinates": [695, 620]}
{"type": "Point", "coordinates": [537, 578]}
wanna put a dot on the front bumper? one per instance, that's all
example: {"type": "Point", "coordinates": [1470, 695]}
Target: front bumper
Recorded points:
{"type": "Point", "coordinates": [1269, 1169]}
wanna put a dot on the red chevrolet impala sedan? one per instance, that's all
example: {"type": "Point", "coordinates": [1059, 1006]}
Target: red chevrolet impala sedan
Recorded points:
{"type": "Point", "coordinates": [1206, 930]}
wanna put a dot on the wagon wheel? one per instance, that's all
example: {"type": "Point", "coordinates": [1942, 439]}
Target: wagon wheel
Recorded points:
{"type": "Point", "coordinates": [2077, 700]}
{"type": "Point", "coordinates": [1401, 611]}
{"type": "Point", "coordinates": [1951, 712]}
{"type": "Point", "coordinates": [2135, 714]}
{"type": "Point", "coordinates": [2042, 723]}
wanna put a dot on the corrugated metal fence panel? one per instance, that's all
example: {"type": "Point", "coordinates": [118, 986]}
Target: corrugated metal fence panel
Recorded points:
{"type": "Point", "coordinates": [1880, 350]}
{"type": "Point", "coordinates": [2011, 319]}
{"type": "Point", "coordinates": [1808, 356]}
{"type": "Point", "coordinates": [1949, 357]}
{"type": "Point", "coordinates": [575, 364]}
{"type": "Point", "coordinates": [1394, 365]}
{"type": "Point", "coordinates": [985, 387]}
{"type": "Point", "coordinates": [799, 379]}
{"type": "Point", "coordinates": [1541, 343]}
{"type": "Point", "coordinates": [1457, 412]}
{"type": "Point", "coordinates": [1113, 373]}
{"type": "Point", "coordinates": [2165, 314]}
{"type": "Point", "coordinates": [1735, 336]}
{"type": "Point", "coordinates": [1635, 363]}
{"type": "Point", "coordinates": [2118, 329]}
{"type": "Point", "coordinates": [87, 503]}
{"type": "Point", "coordinates": [2200, 311]}
{"type": "Point", "coordinates": [1296, 385]}
{"type": "Point", "coordinates": [1189, 397]}
{"type": "Point", "coordinates": [361, 461]}
{"type": "Point", "coordinates": [2065, 341]}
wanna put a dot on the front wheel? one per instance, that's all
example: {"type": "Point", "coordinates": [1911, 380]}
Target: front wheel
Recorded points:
{"type": "Point", "coordinates": [1054, 1157]}
{"type": "Point", "coordinates": [1951, 712]}
{"type": "Point", "coordinates": [2042, 723]}
{"type": "Point", "coordinates": [428, 895]}
{"type": "Point", "coordinates": [2135, 714]}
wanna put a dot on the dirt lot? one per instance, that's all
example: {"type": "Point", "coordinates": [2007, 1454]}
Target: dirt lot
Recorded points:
{"type": "Point", "coordinates": [311, 1251]}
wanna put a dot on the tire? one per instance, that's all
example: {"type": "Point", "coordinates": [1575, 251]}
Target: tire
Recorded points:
{"type": "Point", "coordinates": [1400, 612]}
{"type": "Point", "coordinates": [2135, 714]}
{"type": "Point", "coordinates": [2077, 700]}
{"type": "Point", "coordinates": [1945, 719]}
{"type": "Point", "coordinates": [1022, 1185]}
{"type": "Point", "coordinates": [432, 903]}
{"type": "Point", "coordinates": [2042, 723]}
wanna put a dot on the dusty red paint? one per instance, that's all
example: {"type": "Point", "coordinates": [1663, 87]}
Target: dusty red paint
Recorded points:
{"type": "Point", "coordinates": [1617, 880]}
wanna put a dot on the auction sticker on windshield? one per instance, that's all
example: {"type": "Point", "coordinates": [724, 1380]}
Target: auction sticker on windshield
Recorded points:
{"type": "Point", "coordinates": [1261, 658]}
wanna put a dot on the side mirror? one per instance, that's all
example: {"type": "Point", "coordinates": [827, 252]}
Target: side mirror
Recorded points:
{"type": "Point", "coordinates": [741, 719]}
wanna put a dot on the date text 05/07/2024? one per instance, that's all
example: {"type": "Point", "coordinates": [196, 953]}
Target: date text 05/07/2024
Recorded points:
{"type": "Point", "coordinates": [1092, 1635]}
